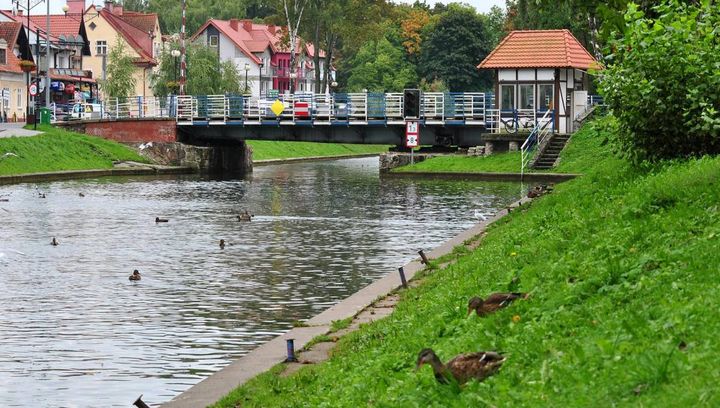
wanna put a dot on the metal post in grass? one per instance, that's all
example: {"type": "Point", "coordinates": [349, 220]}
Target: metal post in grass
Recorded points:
{"type": "Point", "coordinates": [402, 277]}
{"type": "Point", "coordinates": [291, 351]}
{"type": "Point", "coordinates": [423, 257]}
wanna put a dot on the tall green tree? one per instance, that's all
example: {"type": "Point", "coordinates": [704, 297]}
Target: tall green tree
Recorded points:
{"type": "Point", "coordinates": [381, 66]}
{"type": "Point", "coordinates": [120, 81]}
{"type": "Point", "coordinates": [453, 48]}
{"type": "Point", "coordinates": [206, 75]}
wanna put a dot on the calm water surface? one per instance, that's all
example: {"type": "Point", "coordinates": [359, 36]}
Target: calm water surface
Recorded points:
{"type": "Point", "coordinates": [74, 332]}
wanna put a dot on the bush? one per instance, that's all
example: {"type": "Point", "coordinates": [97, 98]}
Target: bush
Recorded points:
{"type": "Point", "coordinates": [662, 82]}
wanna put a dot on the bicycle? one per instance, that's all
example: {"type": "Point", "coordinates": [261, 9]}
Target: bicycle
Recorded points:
{"type": "Point", "coordinates": [514, 123]}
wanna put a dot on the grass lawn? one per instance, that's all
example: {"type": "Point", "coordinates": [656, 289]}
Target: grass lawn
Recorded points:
{"type": "Point", "coordinates": [622, 266]}
{"type": "Point", "coordinates": [58, 149]}
{"type": "Point", "coordinates": [585, 147]}
{"type": "Point", "coordinates": [265, 149]}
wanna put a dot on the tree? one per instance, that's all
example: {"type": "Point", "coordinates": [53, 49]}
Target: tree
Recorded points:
{"type": "Point", "coordinates": [120, 81]}
{"type": "Point", "coordinates": [206, 75]}
{"type": "Point", "coordinates": [662, 80]}
{"type": "Point", "coordinates": [293, 17]}
{"type": "Point", "coordinates": [380, 66]}
{"type": "Point", "coordinates": [412, 27]}
{"type": "Point", "coordinates": [453, 48]}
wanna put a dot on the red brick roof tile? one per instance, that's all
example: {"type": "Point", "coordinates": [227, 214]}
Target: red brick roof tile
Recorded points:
{"type": "Point", "coordinates": [539, 49]}
{"type": "Point", "coordinates": [9, 31]}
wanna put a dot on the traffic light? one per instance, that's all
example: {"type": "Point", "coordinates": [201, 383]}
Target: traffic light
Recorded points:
{"type": "Point", "coordinates": [411, 103]}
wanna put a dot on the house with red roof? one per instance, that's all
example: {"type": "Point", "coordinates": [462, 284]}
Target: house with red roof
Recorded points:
{"type": "Point", "coordinates": [66, 44]}
{"type": "Point", "coordinates": [261, 51]}
{"type": "Point", "coordinates": [110, 24]}
{"type": "Point", "coordinates": [540, 70]}
{"type": "Point", "coordinates": [13, 48]}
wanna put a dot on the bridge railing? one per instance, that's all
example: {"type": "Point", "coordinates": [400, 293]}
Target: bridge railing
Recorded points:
{"type": "Point", "coordinates": [350, 108]}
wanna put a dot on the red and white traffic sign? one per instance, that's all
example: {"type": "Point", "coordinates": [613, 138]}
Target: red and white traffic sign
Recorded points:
{"type": "Point", "coordinates": [33, 89]}
{"type": "Point", "coordinates": [412, 134]}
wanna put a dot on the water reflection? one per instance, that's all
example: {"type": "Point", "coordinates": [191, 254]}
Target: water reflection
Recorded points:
{"type": "Point", "coordinates": [77, 332]}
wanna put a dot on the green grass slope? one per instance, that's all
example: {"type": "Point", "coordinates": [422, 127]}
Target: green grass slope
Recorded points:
{"type": "Point", "coordinates": [622, 266]}
{"type": "Point", "coordinates": [265, 149]}
{"type": "Point", "coordinates": [582, 149]}
{"type": "Point", "coordinates": [57, 150]}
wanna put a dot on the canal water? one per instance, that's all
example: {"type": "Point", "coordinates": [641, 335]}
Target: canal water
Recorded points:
{"type": "Point", "coordinates": [75, 332]}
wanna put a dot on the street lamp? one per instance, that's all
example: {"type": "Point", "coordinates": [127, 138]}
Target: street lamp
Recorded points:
{"type": "Point", "coordinates": [247, 68]}
{"type": "Point", "coordinates": [175, 54]}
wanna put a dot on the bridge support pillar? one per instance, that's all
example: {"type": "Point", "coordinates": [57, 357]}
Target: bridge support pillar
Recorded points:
{"type": "Point", "coordinates": [233, 158]}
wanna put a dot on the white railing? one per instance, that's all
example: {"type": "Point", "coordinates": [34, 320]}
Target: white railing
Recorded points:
{"type": "Point", "coordinates": [139, 107]}
{"type": "Point", "coordinates": [536, 140]}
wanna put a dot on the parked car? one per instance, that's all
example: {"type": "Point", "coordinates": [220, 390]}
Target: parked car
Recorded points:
{"type": "Point", "coordinates": [87, 111]}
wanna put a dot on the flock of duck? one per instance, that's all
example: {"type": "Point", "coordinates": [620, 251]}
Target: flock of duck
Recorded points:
{"type": "Point", "coordinates": [467, 366]}
{"type": "Point", "coordinates": [482, 364]}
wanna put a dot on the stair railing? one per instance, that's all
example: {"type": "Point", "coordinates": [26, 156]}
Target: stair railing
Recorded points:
{"type": "Point", "coordinates": [537, 137]}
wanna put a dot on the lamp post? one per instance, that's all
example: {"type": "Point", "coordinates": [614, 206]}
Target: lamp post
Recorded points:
{"type": "Point", "coordinates": [247, 68]}
{"type": "Point", "coordinates": [175, 54]}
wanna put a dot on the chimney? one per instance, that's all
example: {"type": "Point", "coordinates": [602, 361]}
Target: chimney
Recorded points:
{"type": "Point", "coordinates": [76, 6]}
{"type": "Point", "coordinates": [110, 6]}
{"type": "Point", "coordinates": [271, 29]}
{"type": "Point", "coordinates": [19, 12]}
{"type": "Point", "coordinates": [234, 24]}
{"type": "Point", "coordinates": [118, 9]}
{"type": "Point", "coordinates": [247, 25]}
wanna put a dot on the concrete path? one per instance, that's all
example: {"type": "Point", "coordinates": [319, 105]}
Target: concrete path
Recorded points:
{"type": "Point", "coordinates": [16, 129]}
{"type": "Point", "coordinates": [358, 305]}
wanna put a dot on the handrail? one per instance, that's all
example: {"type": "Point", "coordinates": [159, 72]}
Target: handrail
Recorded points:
{"type": "Point", "coordinates": [537, 137]}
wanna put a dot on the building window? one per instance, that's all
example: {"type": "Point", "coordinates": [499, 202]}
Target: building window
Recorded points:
{"type": "Point", "coordinates": [19, 98]}
{"type": "Point", "coordinates": [527, 96]}
{"type": "Point", "coordinates": [213, 40]}
{"type": "Point", "coordinates": [101, 47]}
{"type": "Point", "coordinates": [3, 56]}
{"type": "Point", "coordinates": [545, 97]}
{"type": "Point", "coordinates": [507, 97]}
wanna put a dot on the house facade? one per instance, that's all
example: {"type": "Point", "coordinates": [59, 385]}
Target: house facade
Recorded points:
{"type": "Point", "coordinates": [541, 70]}
{"type": "Point", "coordinates": [260, 51]}
{"type": "Point", "coordinates": [13, 48]}
{"type": "Point", "coordinates": [138, 32]}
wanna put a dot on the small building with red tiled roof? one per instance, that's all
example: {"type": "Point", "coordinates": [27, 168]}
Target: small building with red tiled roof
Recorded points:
{"type": "Point", "coordinates": [536, 68]}
{"type": "Point", "coordinates": [13, 48]}
{"type": "Point", "coordinates": [262, 51]}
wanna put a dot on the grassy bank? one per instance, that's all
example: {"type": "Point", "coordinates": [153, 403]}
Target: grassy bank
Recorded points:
{"type": "Point", "coordinates": [57, 150]}
{"type": "Point", "coordinates": [266, 150]}
{"type": "Point", "coordinates": [622, 267]}
{"type": "Point", "coordinates": [585, 145]}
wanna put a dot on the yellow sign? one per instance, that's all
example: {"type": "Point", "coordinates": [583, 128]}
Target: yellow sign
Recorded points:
{"type": "Point", "coordinates": [277, 107]}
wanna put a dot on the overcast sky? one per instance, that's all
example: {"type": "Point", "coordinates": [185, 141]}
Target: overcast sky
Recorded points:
{"type": "Point", "coordinates": [482, 6]}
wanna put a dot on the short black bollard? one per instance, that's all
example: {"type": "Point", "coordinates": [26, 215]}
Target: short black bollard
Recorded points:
{"type": "Point", "coordinates": [402, 277]}
{"type": "Point", "coordinates": [139, 403]}
{"type": "Point", "coordinates": [423, 257]}
{"type": "Point", "coordinates": [291, 351]}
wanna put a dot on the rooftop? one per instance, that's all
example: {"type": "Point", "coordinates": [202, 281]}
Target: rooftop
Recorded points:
{"type": "Point", "coordinates": [539, 49]}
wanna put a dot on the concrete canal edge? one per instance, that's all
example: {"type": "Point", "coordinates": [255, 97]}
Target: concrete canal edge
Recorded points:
{"type": "Point", "coordinates": [268, 355]}
{"type": "Point", "coordinates": [80, 174]}
{"type": "Point", "coordinates": [529, 177]}
{"type": "Point", "coordinates": [268, 162]}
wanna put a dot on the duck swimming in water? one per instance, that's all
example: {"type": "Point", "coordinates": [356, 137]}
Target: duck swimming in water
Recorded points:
{"type": "Point", "coordinates": [493, 302]}
{"type": "Point", "coordinates": [222, 244]}
{"type": "Point", "coordinates": [54, 242]}
{"type": "Point", "coordinates": [245, 217]}
{"type": "Point", "coordinates": [158, 219]}
{"type": "Point", "coordinates": [135, 276]}
{"type": "Point", "coordinates": [463, 367]}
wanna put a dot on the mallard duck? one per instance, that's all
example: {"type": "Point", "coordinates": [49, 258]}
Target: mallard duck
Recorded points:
{"type": "Point", "coordinates": [245, 217]}
{"type": "Point", "coordinates": [81, 195]}
{"type": "Point", "coordinates": [463, 367]}
{"type": "Point", "coordinates": [135, 276]}
{"type": "Point", "coordinates": [493, 302]}
{"type": "Point", "coordinates": [54, 242]}
{"type": "Point", "coordinates": [158, 219]}
{"type": "Point", "coordinates": [222, 244]}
